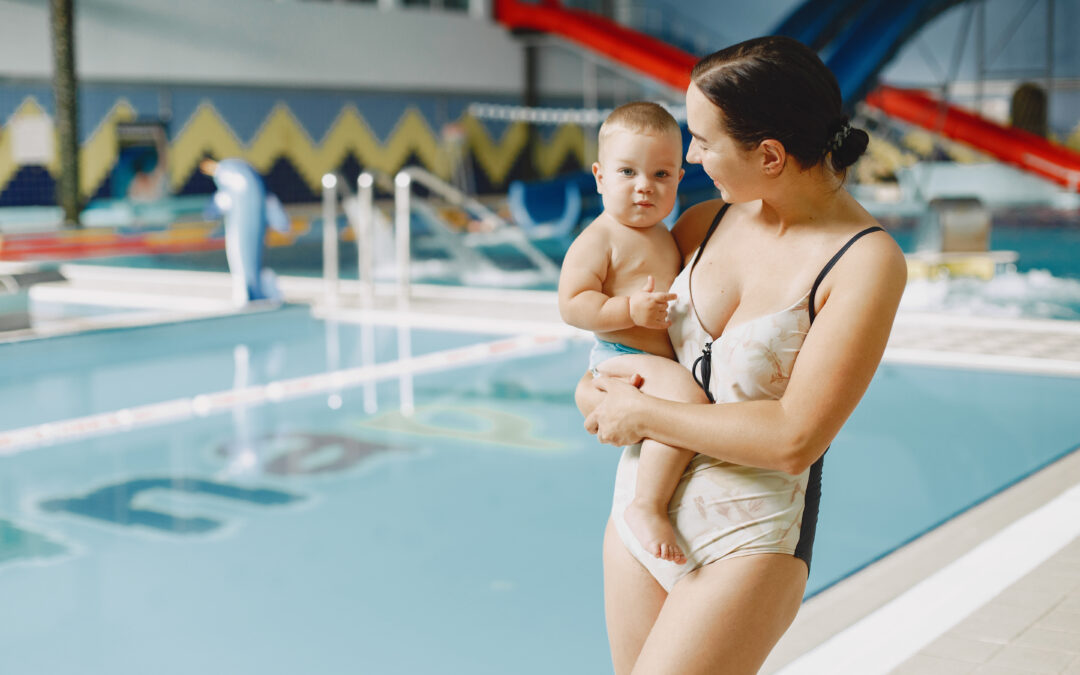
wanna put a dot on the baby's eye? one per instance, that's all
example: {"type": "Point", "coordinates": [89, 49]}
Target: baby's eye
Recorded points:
{"type": "Point", "coordinates": [626, 171]}
{"type": "Point", "coordinates": [662, 173]}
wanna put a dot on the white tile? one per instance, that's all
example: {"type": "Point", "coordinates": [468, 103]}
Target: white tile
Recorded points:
{"type": "Point", "coordinates": [1031, 659]}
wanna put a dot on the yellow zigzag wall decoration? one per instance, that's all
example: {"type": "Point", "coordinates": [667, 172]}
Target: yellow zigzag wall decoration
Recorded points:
{"type": "Point", "coordinates": [96, 156]}
{"type": "Point", "coordinates": [282, 135]}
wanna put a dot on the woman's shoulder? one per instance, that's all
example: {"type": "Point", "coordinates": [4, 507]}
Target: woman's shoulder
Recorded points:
{"type": "Point", "coordinates": [873, 254]}
{"type": "Point", "coordinates": [694, 222]}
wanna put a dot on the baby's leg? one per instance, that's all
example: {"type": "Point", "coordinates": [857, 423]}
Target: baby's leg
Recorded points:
{"type": "Point", "coordinates": [661, 466]}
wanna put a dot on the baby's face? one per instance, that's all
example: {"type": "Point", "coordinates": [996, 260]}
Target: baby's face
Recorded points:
{"type": "Point", "coordinates": [638, 175]}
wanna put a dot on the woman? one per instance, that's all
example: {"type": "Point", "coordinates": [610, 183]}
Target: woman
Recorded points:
{"type": "Point", "coordinates": [767, 126]}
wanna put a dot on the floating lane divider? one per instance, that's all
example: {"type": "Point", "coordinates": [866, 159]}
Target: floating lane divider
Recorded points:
{"type": "Point", "coordinates": [201, 405]}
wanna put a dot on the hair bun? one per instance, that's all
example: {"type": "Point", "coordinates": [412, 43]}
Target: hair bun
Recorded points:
{"type": "Point", "coordinates": [846, 144]}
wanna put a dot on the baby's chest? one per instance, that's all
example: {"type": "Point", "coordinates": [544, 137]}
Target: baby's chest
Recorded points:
{"type": "Point", "coordinates": [638, 258]}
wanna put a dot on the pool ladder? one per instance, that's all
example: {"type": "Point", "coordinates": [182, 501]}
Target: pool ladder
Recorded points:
{"type": "Point", "coordinates": [363, 215]}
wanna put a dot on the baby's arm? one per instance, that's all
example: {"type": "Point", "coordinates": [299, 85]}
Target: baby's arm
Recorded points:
{"type": "Point", "coordinates": [582, 301]}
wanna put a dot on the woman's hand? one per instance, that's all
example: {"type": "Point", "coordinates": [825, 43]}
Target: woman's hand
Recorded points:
{"type": "Point", "coordinates": [615, 418]}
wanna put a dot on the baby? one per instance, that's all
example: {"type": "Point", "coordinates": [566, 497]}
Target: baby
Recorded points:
{"type": "Point", "coordinates": [614, 282]}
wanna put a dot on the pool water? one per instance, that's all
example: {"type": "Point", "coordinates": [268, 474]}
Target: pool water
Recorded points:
{"type": "Point", "coordinates": [321, 535]}
{"type": "Point", "coordinates": [1044, 284]}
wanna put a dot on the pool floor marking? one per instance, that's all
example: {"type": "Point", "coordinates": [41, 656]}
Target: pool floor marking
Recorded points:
{"type": "Point", "coordinates": [201, 405]}
{"type": "Point", "coordinates": [889, 636]}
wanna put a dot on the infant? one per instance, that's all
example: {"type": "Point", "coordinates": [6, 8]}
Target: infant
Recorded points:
{"type": "Point", "coordinates": [614, 283]}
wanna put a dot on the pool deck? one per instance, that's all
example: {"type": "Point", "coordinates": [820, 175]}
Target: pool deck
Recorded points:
{"type": "Point", "coordinates": [995, 590]}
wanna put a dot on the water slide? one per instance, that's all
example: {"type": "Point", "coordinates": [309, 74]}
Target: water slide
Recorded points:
{"type": "Point", "coordinates": [633, 49]}
{"type": "Point", "coordinates": [1010, 145]}
{"type": "Point", "coordinates": [871, 39]}
{"type": "Point", "coordinates": [861, 36]}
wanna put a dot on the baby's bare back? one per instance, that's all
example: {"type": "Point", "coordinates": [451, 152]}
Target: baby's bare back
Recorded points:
{"type": "Point", "coordinates": [636, 254]}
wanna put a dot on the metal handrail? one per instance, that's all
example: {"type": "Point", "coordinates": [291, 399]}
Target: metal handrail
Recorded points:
{"type": "Point", "coordinates": [487, 216]}
{"type": "Point", "coordinates": [362, 221]}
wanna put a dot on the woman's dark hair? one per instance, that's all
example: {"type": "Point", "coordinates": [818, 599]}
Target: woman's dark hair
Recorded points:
{"type": "Point", "coordinates": [776, 87]}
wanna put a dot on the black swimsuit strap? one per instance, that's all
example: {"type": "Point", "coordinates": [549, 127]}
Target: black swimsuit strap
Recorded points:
{"type": "Point", "coordinates": [832, 261]}
{"type": "Point", "coordinates": [712, 228]}
{"type": "Point", "coordinates": [697, 256]}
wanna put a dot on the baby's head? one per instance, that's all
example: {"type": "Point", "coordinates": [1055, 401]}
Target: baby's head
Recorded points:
{"type": "Point", "coordinates": [640, 163]}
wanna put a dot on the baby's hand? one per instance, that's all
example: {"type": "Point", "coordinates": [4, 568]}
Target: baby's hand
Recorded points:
{"type": "Point", "coordinates": [649, 309]}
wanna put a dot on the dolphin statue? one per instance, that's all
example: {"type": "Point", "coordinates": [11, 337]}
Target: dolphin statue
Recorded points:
{"type": "Point", "coordinates": [248, 209]}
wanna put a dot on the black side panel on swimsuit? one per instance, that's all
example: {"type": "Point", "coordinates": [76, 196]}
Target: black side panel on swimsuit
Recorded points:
{"type": "Point", "coordinates": [805, 548]}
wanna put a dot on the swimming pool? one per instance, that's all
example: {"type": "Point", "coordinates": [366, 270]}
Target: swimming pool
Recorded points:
{"type": "Point", "coordinates": [308, 533]}
{"type": "Point", "coordinates": [1044, 284]}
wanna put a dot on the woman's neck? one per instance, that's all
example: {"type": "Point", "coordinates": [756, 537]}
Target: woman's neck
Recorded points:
{"type": "Point", "coordinates": [801, 198]}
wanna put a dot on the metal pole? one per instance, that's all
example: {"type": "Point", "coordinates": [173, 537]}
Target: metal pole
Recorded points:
{"type": "Point", "coordinates": [980, 55]}
{"type": "Point", "coordinates": [1049, 61]}
{"type": "Point", "coordinates": [591, 100]}
{"type": "Point", "coordinates": [366, 238]}
{"type": "Point", "coordinates": [402, 183]}
{"type": "Point", "coordinates": [66, 96]}
{"type": "Point", "coordinates": [330, 238]}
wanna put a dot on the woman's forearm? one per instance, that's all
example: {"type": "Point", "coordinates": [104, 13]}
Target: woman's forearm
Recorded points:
{"type": "Point", "coordinates": [750, 433]}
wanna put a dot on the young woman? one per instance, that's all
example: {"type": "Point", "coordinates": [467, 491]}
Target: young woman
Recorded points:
{"type": "Point", "coordinates": [786, 300]}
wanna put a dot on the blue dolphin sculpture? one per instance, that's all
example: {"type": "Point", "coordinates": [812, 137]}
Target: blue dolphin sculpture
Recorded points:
{"type": "Point", "coordinates": [248, 210]}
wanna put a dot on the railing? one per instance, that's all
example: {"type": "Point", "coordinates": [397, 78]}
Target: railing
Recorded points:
{"type": "Point", "coordinates": [510, 234]}
{"type": "Point", "coordinates": [362, 217]}
{"type": "Point", "coordinates": [362, 220]}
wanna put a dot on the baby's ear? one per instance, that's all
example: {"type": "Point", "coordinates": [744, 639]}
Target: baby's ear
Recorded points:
{"type": "Point", "coordinates": [682, 172]}
{"type": "Point", "coordinates": [598, 176]}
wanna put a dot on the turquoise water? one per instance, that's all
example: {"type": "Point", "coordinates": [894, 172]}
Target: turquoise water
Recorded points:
{"type": "Point", "coordinates": [1044, 284]}
{"type": "Point", "coordinates": [465, 539]}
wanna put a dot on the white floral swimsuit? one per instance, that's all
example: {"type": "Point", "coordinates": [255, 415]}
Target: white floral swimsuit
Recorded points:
{"type": "Point", "coordinates": [723, 510]}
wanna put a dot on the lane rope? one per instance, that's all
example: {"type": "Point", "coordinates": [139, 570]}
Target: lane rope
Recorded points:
{"type": "Point", "coordinates": [201, 405]}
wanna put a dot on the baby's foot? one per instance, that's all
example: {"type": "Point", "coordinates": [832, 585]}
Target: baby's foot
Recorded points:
{"type": "Point", "coordinates": [653, 530]}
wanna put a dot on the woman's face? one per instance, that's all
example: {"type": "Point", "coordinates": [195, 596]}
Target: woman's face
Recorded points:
{"type": "Point", "coordinates": [730, 166]}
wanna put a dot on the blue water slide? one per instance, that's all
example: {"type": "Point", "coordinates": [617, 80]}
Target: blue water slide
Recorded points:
{"type": "Point", "coordinates": [816, 22]}
{"type": "Point", "coordinates": [862, 49]}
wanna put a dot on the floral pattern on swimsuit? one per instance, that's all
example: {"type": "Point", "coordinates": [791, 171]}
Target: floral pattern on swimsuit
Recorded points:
{"type": "Point", "coordinates": [723, 510]}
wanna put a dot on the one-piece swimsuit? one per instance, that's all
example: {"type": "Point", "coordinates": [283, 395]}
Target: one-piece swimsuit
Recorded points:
{"type": "Point", "coordinates": [723, 510]}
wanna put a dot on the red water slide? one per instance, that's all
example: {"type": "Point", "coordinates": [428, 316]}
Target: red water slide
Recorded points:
{"type": "Point", "coordinates": [672, 66]}
{"type": "Point", "coordinates": [1012, 146]}
{"type": "Point", "coordinates": [631, 48]}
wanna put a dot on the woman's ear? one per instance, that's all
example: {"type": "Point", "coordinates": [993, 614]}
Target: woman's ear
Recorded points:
{"type": "Point", "coordinates": [773, 157]}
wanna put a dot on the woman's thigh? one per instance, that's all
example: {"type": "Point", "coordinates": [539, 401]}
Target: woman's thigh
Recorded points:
{"type": "Point", "coordinates": [726, 617]}
{"type": "Point", "coordinates": [632, 601]}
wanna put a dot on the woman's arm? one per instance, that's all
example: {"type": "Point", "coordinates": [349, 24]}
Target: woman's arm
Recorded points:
{"type": "Point", "coordinates": [833, 370]}
{"type": "Point", "coordinates": [587, 396]}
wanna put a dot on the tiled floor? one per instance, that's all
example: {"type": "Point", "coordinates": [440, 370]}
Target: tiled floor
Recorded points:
{"type": "Point", "coordinates": [1031, 627]}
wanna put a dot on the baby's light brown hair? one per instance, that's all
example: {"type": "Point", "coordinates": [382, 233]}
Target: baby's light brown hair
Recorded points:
{"type": "Point", "coordinates": [643, 117]}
